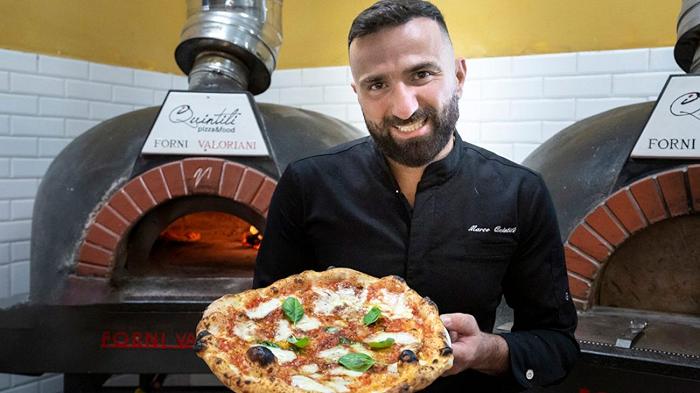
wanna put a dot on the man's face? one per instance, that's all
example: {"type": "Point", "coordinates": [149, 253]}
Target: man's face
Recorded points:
{"type": "Point", "coordinates": [408, 85]}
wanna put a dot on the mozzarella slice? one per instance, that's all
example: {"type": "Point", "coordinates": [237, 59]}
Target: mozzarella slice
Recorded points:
{"type": "Point", "coordinates": [308, 384]}
{"type": "Point", "coordinates": [310, 368]}
{"type": "Point", "coordinates": [399, 338]}
{"type": "Point", "coordinates": [284, 331]}
{"type": "Point", "coordinates": [339, 385]}
{"type": "Point", "coordinates": [345, 371]}
{"type": "Point", "coordinates": [245, 330]}
{"type": "Point", "coordinates": [394, 305]}
{"type": "Point", "coordinates": [329, 300]}
{"type": "Point", "coordinates": [333, 354]}
{"type": "Point", "coordinates": [308, 323]}
{"type": "Point", "coordinates": [263, 309]}
{"type": "Point", "coordinates": [393, 368]}
{"type": "Point", "coordinates": [282, 355]}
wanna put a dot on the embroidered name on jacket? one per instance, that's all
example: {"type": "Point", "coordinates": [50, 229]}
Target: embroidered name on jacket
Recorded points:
{"type": "Point", "coordinates": [496, 229]}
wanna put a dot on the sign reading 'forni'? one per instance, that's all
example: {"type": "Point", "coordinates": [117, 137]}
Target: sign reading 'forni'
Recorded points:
{"type": "Point", "coordinates": [673, 130]}
{"type": "Point", "coordinates": [204, 123]}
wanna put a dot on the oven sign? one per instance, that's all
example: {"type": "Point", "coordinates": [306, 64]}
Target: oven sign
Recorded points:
{"type": "Point", "coordinates": [123, 339]}
{"type": "Point", "coordinates": [673, 130]}
{"type": "Point", "coordinates": [206, 124]}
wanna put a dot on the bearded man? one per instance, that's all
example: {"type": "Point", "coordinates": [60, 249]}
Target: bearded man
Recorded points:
{"type": "Point", "coordinates": [461, 225]}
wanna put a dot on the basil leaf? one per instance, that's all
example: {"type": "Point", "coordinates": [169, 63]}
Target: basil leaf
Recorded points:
{"type": "Point", "coordinates": [268, 344]}
{"type": "Point", "coordinates": [299, 342]}
{"type": "Point", "coordinates": [356, 361]}
{"type": "Point", "coordinates": [372, 316]}
{"type": "Point", "coordinates": [381, 344]}
{"type": "Point", "coordinates": [332, 329]}
{"type": "Point", "coordinates": [293, 309]}
{"type": "Point", "coordinates": [345, 341]}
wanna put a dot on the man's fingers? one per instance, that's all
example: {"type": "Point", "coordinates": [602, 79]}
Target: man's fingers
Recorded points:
{"type": "Point", "coordinates": [464, 324]}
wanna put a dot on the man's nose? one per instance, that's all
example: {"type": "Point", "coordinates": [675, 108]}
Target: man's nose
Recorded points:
{"type": "Point", "coordinates": [403, 101]}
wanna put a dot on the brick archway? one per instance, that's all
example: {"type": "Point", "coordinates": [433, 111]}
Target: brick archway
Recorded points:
{"type": "Point", "coordinates": [629, 210]}
{"type": "Point", "coordinates": [191, 176]}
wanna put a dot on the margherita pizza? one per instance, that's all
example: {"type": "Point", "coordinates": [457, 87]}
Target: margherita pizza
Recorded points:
{"type": "Point", "coordinates": [334, 331]}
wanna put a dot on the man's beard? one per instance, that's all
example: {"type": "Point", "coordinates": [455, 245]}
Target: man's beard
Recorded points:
{"type": "Point", "coordinates": [421, 150]}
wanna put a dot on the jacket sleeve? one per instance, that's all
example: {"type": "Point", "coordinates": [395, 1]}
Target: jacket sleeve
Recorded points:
{"type": "Point", "coordinates": [282, 250]}
{"type": "Point", "coordinates": [541, 343]}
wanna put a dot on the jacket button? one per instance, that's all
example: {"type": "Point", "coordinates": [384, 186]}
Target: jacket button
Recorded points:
{"type": "Point", "coordinates": [529, 374]}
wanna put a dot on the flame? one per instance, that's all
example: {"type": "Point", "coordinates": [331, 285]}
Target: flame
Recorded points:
{"type": "Point", "coordinates": [253, 238]}
{"type": "Point", "coordinates": [189, 236]}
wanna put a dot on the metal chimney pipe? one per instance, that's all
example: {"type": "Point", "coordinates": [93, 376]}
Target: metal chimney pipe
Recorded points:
{"type": "Point", "coordinates": [230, 44]}
{"type": "Point", "coordinates": [687, 50]}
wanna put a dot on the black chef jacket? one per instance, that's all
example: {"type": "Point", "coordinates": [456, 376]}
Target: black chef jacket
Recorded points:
{"type": "Point", "coordinates": [481, 227]}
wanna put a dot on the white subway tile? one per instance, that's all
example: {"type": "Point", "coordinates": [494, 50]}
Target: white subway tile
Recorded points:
{"type": "Point", "coordinates": [17, 188]}
{"type": "Point", "coordinates": [180, 82]}
{"type": "Point", "coordinates": [469, 131]}
{"type": "Point", "coordinates": [4, 167]}
{"type": "Point", "coordinates": [644, 84]}
{"type": "Point", "coordinates": [4, 81]}
{"type": "Point", "coordinates": [34, 84]}
{"type": "Point", "coordinates": [28, 388]}
{"type": "Point", "coordinates": [502, 149]}
{"type": "Point", "coordinates": [103, 110]}
{"type": "Point", "coordinates": [18, 147]}
{"type": "Point", "coordinates": [58, 66]}
{"type": "Point", "coordinates": [13, 103]}
{"type": "Point", "coordinates": [618, 61]}
{"type": "Point", "coordinates": [4, 253]}
{"type": "Point", "coordinates": [19, 278]}
{"type": "Point", "coordinates": [132, 95]}
{"type": "Point", "coordinates": [36, 126]}
{"type": "Point", "coordinates": [111, 74]}
{"type": "Point", "coordinates": [77, 127]}
{"type": "Point", "coordinates": [286, 78]}
{"type": "Point", "coordinates": [530, 131]}
{"type": "Point", "coordinates": [88, 90]}
{"type": "Point", "coordinates": [337, 111]}
{"type": "Point", "coordinates": [52, 384]}
{"type": "Point", "coordinates": [21, 209]}
{"type": "Point", "coordinates": [63, 107]}
{"type": "Point", "coordinates": [155, 80]}
{"type": "Point", "coordinates": [4, 125]}
{"type": "Point", "coordinates": [323, 76]}
{"type": "Point", "coordinates": [19, 251]}
{"type": "Point", "coordinates": [4, 210]}
{"type": "Point", "coordinates": [471, 90]}
{"type": "Point", "coordinates": [29, 167]}
{"type": "Point", "coordinates": [589, 107]}
{"type": "Point", "coordinates": [270, 96]}
{"type": "Point", "coordinates": [355, 113]}
{"type": "Point", "coordinates": [545, 65]}
{"type": "Point", "coordinates": [14, 230]}
{"type": "Point", "coordinates": [511, 88]}
{"type": "Point", "coordinates": [301, 95]}
{"type": "Point", "coordinates": [489, 67]}
{"type": "Point", "coordinates": [17, 61]}
{"type": "Point", "coordinates": [578, 86]}
{"type": "Point", "coordinates": [543, 110]}
{"type": "Point", "coordinates": [4, 293]}
{"type": "Point", "coordinates": [522, 150]}
{"type": "Point", "coordinates": [339, 95]}
{"type": "Point", "coordinates": [494, 110]}
{"type": "Point", "coordinates": [469, 110]}
{"type": "Point", "coordinates": [550, 128]}
{"type": "Point", "coordinates": [661, 59]}
{"type": "Point", "coordinates": [50, 147]}
{"type": "Point", "coordinates": [159, 97]}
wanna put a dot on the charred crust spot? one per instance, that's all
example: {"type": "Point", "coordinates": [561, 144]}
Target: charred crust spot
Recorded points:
{"type": "Point", "coordinates": [238, 382]}
{"type": "Point", "coordinates": [203, 334]}
{"type": "Point", "coordinates": [199, 346]}
{"type": "Point", "coordinates": [218, 361]}
{"type": "Point", "coordinates": [299, 281]}
{"type": "Point", "coordinates": [434, 361]}
{"type": "Point", "coordinates": [408, 356]}
{"type": "Point", "coordinates": [430, 302]}
{"type": "Point", "coordinates": [270, 370]}
{"type": "Point", "coordinates": [274, 290]}
{"type": "Point", "coordinates": [398, 278]}
{"type": "Point", "coordinates": [260, 355]}
{"type": "Point", "coordinates": [247, 382]}
{"type": "Point", "coordinates": [405, 387]}
{"type": "Point", "coordinates": [446, 351]}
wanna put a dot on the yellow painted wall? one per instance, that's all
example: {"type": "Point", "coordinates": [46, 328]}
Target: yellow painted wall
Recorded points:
{"type": "Point", "coordinates": [144, 33]}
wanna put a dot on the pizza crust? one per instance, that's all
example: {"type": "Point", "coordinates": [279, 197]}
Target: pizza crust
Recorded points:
{"type": "Point", "coordinates": [215, 330]}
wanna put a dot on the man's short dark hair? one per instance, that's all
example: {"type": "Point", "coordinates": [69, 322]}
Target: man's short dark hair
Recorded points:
{"type": "Point", "coordinates": [392, 13]}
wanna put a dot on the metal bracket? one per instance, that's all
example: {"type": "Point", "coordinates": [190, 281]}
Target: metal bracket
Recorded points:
{"type": "Point", "coordinates": [630, 336]}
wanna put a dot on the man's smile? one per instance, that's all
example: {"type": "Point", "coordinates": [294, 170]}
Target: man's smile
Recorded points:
{"type": "Point", "coordinates": [410, 127]}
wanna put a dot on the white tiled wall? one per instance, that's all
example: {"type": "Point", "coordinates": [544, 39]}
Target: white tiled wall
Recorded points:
{"type": "Point", "coordinates": [510, 105]}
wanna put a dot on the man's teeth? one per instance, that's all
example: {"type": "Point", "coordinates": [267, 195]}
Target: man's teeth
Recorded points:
{"type": "Point", "coordinates": [412, 126]}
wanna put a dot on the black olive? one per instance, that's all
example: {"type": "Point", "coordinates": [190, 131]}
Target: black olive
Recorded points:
{"type": "Point", "coordinates": [261, 355]}
{"type": "Point", "coordinates": [408, 356]}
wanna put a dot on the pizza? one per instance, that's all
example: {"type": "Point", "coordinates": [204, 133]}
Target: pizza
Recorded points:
{"type": "Point", "coordinates": [330, 332]}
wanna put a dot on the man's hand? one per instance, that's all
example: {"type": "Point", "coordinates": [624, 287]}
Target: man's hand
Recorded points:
{"type": "Point", "coordinates": [474, 349]}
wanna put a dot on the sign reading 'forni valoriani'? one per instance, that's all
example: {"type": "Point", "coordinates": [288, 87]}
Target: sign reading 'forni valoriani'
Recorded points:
{"type": "Point", "coordinates": [673, 130]}
{"type": "Point", "coordinates": [204, 123]}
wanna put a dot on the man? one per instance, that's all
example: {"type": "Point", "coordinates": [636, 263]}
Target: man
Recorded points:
{"type": "Point", "coordinates": [461, 225]}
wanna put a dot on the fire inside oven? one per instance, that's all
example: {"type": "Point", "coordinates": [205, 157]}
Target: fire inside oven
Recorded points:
{"type": "Point", "coordinates": [202, 236]}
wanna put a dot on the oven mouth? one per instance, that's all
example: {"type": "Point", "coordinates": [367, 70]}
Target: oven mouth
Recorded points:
{"type": "Point", "coordinates": [193, 237]}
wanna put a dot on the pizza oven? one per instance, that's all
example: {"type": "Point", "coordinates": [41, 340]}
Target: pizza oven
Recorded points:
{"type": "Point", "coordinates": [630, 227]}
{"type": "Point", "coordinates": [128, 248]}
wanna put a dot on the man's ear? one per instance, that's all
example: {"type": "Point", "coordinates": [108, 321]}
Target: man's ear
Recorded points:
{"type": "Point", "coordinates": [460, 74]}
{"type": "Point", "coordinates": [354, 88]}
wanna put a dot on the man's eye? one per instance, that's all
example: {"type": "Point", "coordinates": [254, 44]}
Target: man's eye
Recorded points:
{"type": "Point", "coordinates": [376, 86]}
{"type": "Point", "coordinates": [423, 74]}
